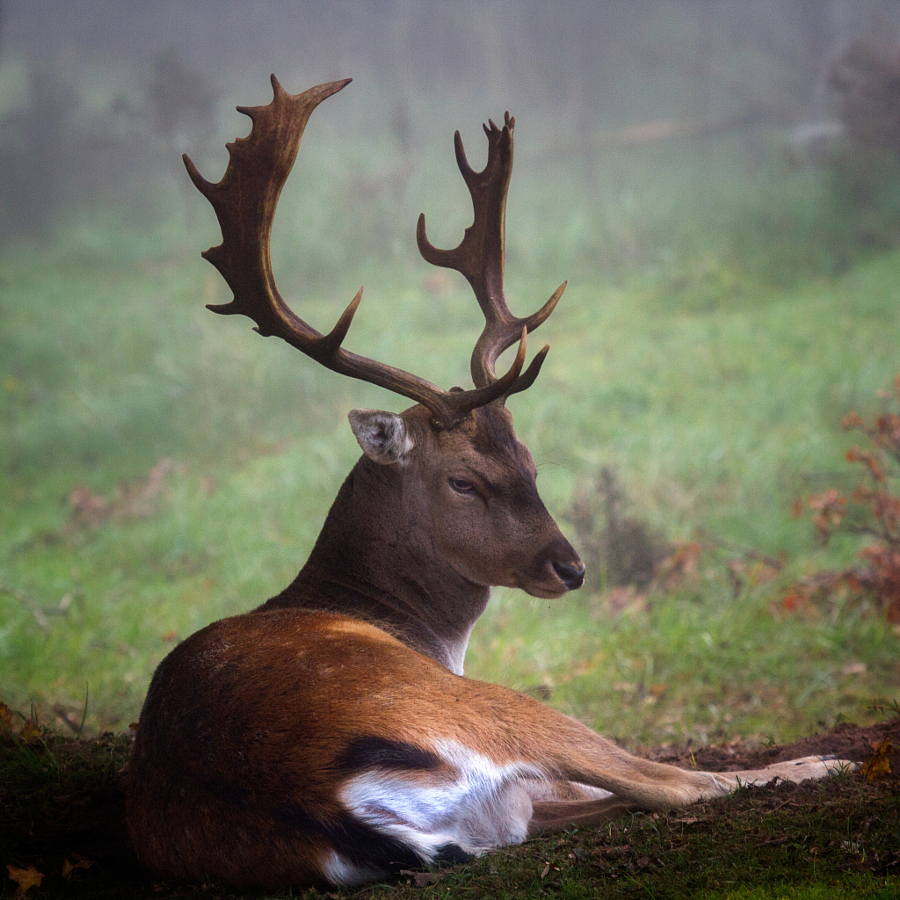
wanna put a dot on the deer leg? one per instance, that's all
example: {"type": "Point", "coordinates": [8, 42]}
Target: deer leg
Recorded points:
{"type": "Point", "coordinates": [794, 770]}
{"type": "Point", "coordinates": [560, 805]}
{"type": "Point", "coordinates": [559, 815]}
{"type": "Point", "coordinates": [640, 783]}
{"type": "Point", "coordinates": [516, 730]}
{"type": "Point", "coordinates": [550, 816]}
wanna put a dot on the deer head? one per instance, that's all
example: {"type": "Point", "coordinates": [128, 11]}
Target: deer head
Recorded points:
{"type": "Point", "coordinates": [443, 503]}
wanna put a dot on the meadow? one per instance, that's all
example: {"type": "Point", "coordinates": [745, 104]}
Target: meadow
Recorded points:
{"type": "Point", "coordinates": [164, 467]}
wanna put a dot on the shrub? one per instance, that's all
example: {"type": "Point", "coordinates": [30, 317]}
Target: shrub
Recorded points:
{"type": "Point", "coordinates": [871, 510]}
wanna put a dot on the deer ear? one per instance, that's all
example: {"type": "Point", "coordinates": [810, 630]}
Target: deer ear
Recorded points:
{"type": "Point", "coordinates": [382, 436]}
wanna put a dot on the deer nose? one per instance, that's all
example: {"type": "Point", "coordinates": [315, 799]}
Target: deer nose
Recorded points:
{"type": "Point", "coordinates": [572, 576]}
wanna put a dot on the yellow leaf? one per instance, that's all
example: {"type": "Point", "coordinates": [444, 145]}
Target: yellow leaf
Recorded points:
{"type": "Point", "coordinates": [70, 864]}
{"type": "Point", "coordinates": [24, 878]}
{"type": "Point", "coordinates": [30, 732]}
{"type": "Point", "coordinates": [879, 764]}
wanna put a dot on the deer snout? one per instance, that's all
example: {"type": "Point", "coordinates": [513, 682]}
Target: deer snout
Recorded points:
{"type": "Point", "coordinates": [570, 574]}
{"type": "Point", "coordinates": [561, 570]}
{"type": "Point", "coordinates": [555, 570]}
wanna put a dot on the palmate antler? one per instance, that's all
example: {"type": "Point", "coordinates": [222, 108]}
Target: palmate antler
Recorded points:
{"type": "Point", "coordinates": [480, 258]}
{"type": "Point", "coordinates": [245, 200]}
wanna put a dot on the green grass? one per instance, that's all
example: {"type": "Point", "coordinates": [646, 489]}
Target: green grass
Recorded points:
{"type": "Point", "coordinates": [707, 364]}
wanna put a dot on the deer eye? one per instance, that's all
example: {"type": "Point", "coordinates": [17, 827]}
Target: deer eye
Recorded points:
{"type": "Point", "coordinates": [461, 486]}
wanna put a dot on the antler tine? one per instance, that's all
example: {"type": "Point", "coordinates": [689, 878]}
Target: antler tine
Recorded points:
{"type": "Point", "coordinates": [479, 257]}
{"type": "Point", "coordinates": [244, 202]}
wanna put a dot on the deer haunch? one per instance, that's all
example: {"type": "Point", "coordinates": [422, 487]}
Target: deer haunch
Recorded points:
{"type": "Point", "coordinates": [325, 751]}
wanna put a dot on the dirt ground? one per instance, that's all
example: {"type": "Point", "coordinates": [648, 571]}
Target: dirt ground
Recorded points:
{"type": "Point", "coordinates": [64, 810]}
{"type": "Point", "coordinates": [846, 741]}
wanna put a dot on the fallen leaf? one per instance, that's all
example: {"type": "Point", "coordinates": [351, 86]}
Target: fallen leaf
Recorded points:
{"type": "Point", "coordinates": [546, 871]}
{"type": "Point", "coordinates": [70, 864]}
{"type": "Point", "coordinates": [6, 717]}
{"type": "Point", "coordinates": [30, 732]}
{"type": "Point", "coordinates": [135, 500]}
{"type": "Point", "coordinates": [879, 765]}
{"type": "Point", "coordinates": [24, 878]}
{"type": "Point", "coordinates": [88, 509]}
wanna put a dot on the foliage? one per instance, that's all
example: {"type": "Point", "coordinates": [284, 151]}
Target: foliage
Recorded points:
{"type": "Point", "coordinates": [872, 510]}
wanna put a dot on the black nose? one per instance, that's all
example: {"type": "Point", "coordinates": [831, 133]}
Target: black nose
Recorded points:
{"type": "Point", "coordinates": [572, 576]}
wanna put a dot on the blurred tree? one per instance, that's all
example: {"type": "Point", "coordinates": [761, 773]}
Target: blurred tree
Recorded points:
{"type": "Point", "coordinates": [38, 147]}
{"type": "Point", "coordinates": [182, 107]}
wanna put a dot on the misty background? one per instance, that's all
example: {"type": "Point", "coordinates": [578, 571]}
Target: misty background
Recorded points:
{"type": "Point", "coordinates": [99, 99]}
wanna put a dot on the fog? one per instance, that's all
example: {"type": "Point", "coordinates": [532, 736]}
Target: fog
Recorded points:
{"type": "Point", "coordinates": [95, 95]}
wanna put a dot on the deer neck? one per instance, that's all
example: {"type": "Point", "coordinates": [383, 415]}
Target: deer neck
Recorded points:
{"type": "Point", "coordinates": [371, 561]}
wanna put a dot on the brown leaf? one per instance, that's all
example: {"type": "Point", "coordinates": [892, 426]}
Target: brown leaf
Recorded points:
{"type": "Point", "coordinates": [879, 764]}
{"type": "Point", "coordinates": [135, 500]}
{"type": "Point", "coordinates": [70, 864]}
{"type": "Point", "coordinates": [6, 717]}
{"type": "Point", "coordinates": [625, 598]}
{"type": "Point", "coordinates": [88, 508]}
{"type": "Point", "coordinates": [793, 600]}
{"type": "Point", "coordinates": [24, 878]}
{"type": "Point", "coordinates": [682, 564]}
{"type": "Point", "coordinates": [30, 732]}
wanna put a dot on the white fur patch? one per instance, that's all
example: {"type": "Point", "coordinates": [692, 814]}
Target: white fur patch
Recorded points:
{"type": "Point", "coordinates": [339, 871]}
{"type": "Point", "coordinates": [476, 805]}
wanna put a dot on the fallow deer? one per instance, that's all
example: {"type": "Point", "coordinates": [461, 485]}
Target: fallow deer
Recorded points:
{"type": "Point", "coordinates": [329, 736]}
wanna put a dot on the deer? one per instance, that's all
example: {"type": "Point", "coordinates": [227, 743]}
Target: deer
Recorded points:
{"type": "Point", "coordinates": [329, 736]}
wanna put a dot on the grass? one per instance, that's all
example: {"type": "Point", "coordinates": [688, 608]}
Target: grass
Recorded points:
{"type": "Point", "coordinates": [684, 669]}
{"type": "Point", "coordinates": [714, 386]}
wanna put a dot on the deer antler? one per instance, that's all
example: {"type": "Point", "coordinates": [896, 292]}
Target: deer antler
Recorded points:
{"type": "Point", "coordinates": [480, 258]}
{"type": "Point", "coordinates": [244, 202]}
